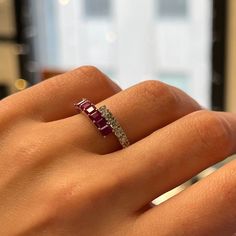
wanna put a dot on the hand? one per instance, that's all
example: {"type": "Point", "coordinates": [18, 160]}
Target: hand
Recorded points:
{"type": "Point", "coordinates": [59, 176]}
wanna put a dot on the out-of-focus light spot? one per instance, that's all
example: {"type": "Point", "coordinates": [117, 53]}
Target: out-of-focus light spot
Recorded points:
{"type": "Point", "coordinates": [64, 2]}
{"type": "Point", "coordinates": [111, 37]}
{"type": "Point", "coordinates": [21, 84]}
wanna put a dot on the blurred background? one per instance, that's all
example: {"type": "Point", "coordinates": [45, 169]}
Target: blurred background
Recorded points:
{"type": "Point", "coordinates": [131, 41]}
{"type": "Point", "coordinates": [186, 43]}
{"type": "Point", "coordinates": [190, 44]}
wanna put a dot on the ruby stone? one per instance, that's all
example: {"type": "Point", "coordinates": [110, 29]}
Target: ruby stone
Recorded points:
{"type": "Point", "coordinates": [101, 123]}
{"type": "Point", "coordinates": [96, 116]}
{"type": "Point", "coordinates": [106, 130]}
{"type": "Point", "coordinates": [89, 110]}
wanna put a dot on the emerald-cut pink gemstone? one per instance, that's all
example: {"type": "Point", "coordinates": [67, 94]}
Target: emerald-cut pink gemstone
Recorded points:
{"type": "Point", "coordinates": [89, 110]}
{"type": "Point", "coordinates": [101, 123]}
{"type": "Point", "coordinates": [96, 116]}
{"type": "Point", "coordinates": [106, 130]}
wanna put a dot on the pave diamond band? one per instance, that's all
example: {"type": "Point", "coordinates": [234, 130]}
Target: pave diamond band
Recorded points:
{"type": "Point", "coordinates": [115, 125]}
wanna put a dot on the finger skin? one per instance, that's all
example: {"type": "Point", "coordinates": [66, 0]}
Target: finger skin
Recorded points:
{"type": "Point", "coordinates": [141, 110]}
{"type": "Point", "coordinates": [206, 208]}
{"type": "Point", "coordinates": [56, 188]}
{"type": "Point", "coordinates": [54, 98]}
{"type": "Point", "coordinates": [174, 154]}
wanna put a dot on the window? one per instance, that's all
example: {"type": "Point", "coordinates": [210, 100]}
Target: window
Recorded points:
{"type": "Point", "coordinates": [97, 8]}
{"type": "Point", "coordinates": [131, 45]}
{"type": "Point", "coordinates": [172, 8]}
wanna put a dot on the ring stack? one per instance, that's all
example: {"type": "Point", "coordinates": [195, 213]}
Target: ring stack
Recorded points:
{"type": "Point", "coordinates": [116, 127]}
{"type": "Point", "coordinates": [103, 119]}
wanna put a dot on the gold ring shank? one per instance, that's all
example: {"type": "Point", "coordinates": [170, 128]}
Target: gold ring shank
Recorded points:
{"type": "Point", "coordinates": [115, 125]}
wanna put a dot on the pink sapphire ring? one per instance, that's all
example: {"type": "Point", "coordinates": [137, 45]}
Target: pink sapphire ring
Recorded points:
{"type": "Point", "coordinates": [103, 120]}
{"type": "Point", "coordinates": [95, 116]}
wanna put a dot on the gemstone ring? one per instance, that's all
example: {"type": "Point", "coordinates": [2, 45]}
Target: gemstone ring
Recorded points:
{"type": "Point", "coordinates": [103, 119]}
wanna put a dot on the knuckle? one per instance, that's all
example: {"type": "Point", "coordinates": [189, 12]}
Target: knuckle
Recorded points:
{"type": "Point", "coordinates": [152, 88]}
{"type": "Point", "coordinates": [157, 91]}
{"type": "Point", "coordinates": [91, 73]}
{"type": "Point", "coordinates": [88, 70]}
{"type": "Point", "coordinates": [213, 131]}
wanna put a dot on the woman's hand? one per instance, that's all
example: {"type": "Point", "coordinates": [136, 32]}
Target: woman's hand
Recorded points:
{"type": "Point", "coordinates": [59, 176]}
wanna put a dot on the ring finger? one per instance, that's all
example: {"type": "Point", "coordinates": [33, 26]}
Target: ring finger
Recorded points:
{"type": "Point", "coordinates": [140, 110]}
